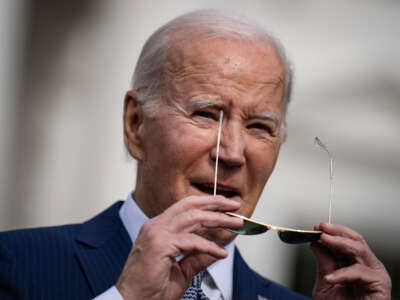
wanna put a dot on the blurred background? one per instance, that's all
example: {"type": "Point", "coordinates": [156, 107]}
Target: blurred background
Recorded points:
{"type": "Point", "coordinates": [66, 65]}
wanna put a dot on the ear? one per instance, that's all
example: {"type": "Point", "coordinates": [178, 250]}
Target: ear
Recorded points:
{"type": "Point", "coordinates": [133, 125]}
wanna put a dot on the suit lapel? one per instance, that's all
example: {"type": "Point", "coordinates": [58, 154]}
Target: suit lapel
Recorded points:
{"type": "Point", "coordinates": [102, 248]}
{"type": "Point", "coordinates": [247, 285]}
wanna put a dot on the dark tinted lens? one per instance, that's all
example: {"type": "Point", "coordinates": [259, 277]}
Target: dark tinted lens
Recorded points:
{"type": "Point", "coordinates": [250, 228]}
{"type": "Point", "coordinates": [293, 237]}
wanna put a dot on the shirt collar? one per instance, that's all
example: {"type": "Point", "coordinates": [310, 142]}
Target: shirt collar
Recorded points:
{"type": "Point", "coordinates": [133, 218]}
{"type": "Point", "coordinates": [219, 271]}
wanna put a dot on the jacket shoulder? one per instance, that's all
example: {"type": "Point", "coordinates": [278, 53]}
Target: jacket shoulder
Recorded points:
{"type": "Point", "coordinates": [44, 263]}
{"type": "Point", "coordinates": [40, 261]}
{"type": "Point", "coordinates": [17, 244]}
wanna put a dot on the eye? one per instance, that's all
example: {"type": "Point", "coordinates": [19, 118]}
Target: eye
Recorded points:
{"type": "Point", "coordinates": [261, 127]}
{"type": "Point", "coordinates": [204, 114]}
{"type": "Point", "coordinates": [258, 126]}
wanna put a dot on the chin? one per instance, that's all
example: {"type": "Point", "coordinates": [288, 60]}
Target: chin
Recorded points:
{"type": "Point", "coordinates": [220, 236]}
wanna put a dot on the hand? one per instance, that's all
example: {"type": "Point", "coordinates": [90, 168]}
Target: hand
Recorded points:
{"type": "Point", "coordinates": [347, 268]}
{"type": "Point", "coordinates": [151, 270]}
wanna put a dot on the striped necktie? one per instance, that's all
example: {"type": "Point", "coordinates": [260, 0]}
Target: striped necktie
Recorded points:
{"type": "Point", "coordinates": [194, 292]}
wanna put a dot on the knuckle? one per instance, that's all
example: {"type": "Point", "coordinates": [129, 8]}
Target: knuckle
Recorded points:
{"type": "Point", "coordinates": [359, 237]}
{"type": "Point", "coordinates": [379, 265]}
{"type": "Point", "coordinates": [207, 218]}
{"type": "Point", "coordinates": [199, 216]}
{"type": "Point", "coordinates": [190, 202]}
{"type": "Point", "coordinates": [363, 249]}
{"type": "Point", "coordinates": [184, 239]}
{"type": "Point", "coordinates": [192, 215]}
{"type": "Point", "coordinates": [219, 198]}
{"type": "Point", "coordinates": [357, 249]}
{"type": "Point", "coordinates": [358, 267]}
{"type": "Point", "coordinates": [148, 228]}
{"type": "Point", "coordinates": [387, 281]}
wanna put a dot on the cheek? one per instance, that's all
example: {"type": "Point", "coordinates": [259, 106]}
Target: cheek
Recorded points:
{"type": "Point", "coordinates": [179, 146]}
{"type": "Point", "coordinates": [189, 143]}
{"type": "Point", "coordinates": [261, 164]}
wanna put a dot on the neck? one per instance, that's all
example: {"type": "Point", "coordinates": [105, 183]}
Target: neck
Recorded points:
{"type": "Point", "coordinates": [144, 196]}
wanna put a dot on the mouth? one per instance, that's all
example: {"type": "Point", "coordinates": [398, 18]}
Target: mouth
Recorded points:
{"type": "Point", "coordinates": [226, 191]}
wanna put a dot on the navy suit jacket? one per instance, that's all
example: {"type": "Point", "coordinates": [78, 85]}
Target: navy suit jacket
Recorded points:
{"type": "Point", "coordinates": [80, 261]}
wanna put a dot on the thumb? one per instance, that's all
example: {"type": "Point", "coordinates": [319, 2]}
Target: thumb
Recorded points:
{"type": "Point", "coordinates": [195, 263]}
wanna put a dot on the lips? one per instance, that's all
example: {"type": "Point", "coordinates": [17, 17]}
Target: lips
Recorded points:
{"type": "Point", "coordinates": [224, 190]}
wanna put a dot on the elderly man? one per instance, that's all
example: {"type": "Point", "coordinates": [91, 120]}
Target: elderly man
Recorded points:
{"type": "Point", "coordinates": [169, 239]}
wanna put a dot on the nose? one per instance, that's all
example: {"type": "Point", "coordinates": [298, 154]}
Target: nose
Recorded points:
{"type": "Point", "coordinates": [232, 146]}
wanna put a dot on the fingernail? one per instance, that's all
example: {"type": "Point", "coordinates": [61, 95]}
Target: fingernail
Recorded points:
{"type": "Point", "coordinates": [328, 225]}
{"type": "Point", "coordinates": [329, 277]}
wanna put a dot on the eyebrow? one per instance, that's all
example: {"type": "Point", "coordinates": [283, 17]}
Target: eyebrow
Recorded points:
{"type": "Point", "coordinates": [267, 116]}
{"type": "Point", "coordinates": [201, 102]}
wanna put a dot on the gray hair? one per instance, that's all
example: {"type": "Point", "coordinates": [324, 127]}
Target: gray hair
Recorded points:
{"type": "Point", "coordinates": [148, 76]}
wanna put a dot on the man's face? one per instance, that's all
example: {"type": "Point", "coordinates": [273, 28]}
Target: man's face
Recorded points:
{"type": "Point", "coordinates": [244, 80]}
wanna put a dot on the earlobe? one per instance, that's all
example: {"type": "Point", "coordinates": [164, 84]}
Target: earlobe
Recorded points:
{"type": "Point", "coordinates": [133, 125]}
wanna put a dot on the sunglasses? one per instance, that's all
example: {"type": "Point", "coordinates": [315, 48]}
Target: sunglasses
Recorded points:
{"type": "Point", "coordinates": [253, 227]}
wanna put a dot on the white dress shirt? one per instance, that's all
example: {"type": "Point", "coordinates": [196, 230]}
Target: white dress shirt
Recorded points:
{"type": "Point", "coordinates": [217, 284]}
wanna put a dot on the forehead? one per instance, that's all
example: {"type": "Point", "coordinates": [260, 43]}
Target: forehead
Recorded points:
{"type": "Point", "coordinates": [226, 66]}
{"type": "Point", "coordinates": [227, 55]}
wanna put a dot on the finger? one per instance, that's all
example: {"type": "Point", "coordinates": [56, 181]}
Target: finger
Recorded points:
{"type": "Point", "coordinates": [358, 250]}
{"type": "Point", "coordinates": [353, 273]}
{"type": "Point", "coordinates": [194, 219]}
{"type": "Point", "coordinates": [326, 262]}
{"type": "Point", "coordinates": [217, 203]}
{"type": "Point", "coordinates": [187, 243]}
{"type": "Point", "coordinates": [341, 230]}
{"type": "Point", "coordinates": [182, 272]}
{"type": "Point", "coordinates": [193, 264]}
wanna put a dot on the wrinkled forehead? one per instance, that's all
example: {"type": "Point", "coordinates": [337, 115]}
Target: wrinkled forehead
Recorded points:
{"type": "Point", "coordinates": [227, 56]}
{"type": "Point", "coordinates": [224, 65]}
